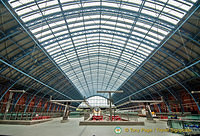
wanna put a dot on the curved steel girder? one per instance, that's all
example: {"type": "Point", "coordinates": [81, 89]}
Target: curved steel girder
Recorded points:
{"type": "Point", "coordinates": [164, 68]}
{"type": "Point", "coordinates": [59, 84]}
{"type": "Point", "coordinates": [62, 87]}
{"type": "Point", "coordinates": [100, 83]}
{"type": "Point", "coordinates": [14, 83]}
{"type": "Point", "coordinates": [13, 63]}
{"type": "Point", "coordinates": [72, 94]}
{"type": "Point", "coordinates": [52, 82]}
{"type": "Point", "coordinates": [8, 90]}
{"type": "Point", "coordinates": [152, 54]}
{"type": "Point", "coordinates": [113, 8]}
{"type": "Point", "coordinates": [43, 107]}
{"type": "Point", "coordinates": [21, 54]}
{"type": "Point", "coordinates": [107, 25]}
{"type": "Point", "coordinates": [146, 80]}
{"type": "Point", "coordinates": [84, 58]}
{"type": "Point", "coordinates": [126, 13]}
{"type": "Point", "coordinates": [102, 31]}
{"type": "Point", "coordinates": [165, 51]}
{"type": "Point", "coordinates": [102, 44]}
{"type": "Point", "coordinates": [32, 69]}
{"type": "Point", "coordinates": [153, 97]}
{"type": "Point", "coordinates": [92, 19]}
{"type": "Point", "coordinates": [99, 73]}
{"type": "Point", "coordinates": [23, 46]}
{"type": "Point", "coordinates": [104, 55]}
{"type": "Point", "coordinates": [33, 95]}
{"type": "Point", "coordinates": [150, 94]}
{"type": "Point", "coordinates": [182, 86]}
{"type": "Point", "coordinates": [153, 62]}
{"type": "Point", "coordinates": [152, 76]}
{"type": "Point", "coordinates": [7, 36]}
{"type": "Point", "coordinates": [81, 47]}
{"type": "Point", "coordinates": [23, 94]}
{"type": "Point", "coordinates": [44, 75]}
{"type": "Point", "coordinates": [43, 104]}
{"type": "Point", "coordinates": [10, 39]}
{"type": "Point", "coordinates": [127, 71]}
{"type": "Point", "coordinates": [33, 78]}
{"type": "Point", "coordinates": [28, 68]}
{"type": "Point", "coordinates": [85, 20]}
{"type": "Point", "coordinates": [173, 57]}
{"type": "Point", "coordinates": [5, 4]}
{"type": "Point", "coordinates": [183, 45]}
{"type": "Point", "coordinates": [189, 35]}
{"type": "Point", "coordinates": [154, 87]}
{"type": "Point", "coordinates": [102, 62]}
{"type": "Point", "coordinates": [114, 77]}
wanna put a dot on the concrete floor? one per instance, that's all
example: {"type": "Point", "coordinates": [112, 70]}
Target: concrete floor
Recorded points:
{"type": "Point", "coordinates": [72, 128]}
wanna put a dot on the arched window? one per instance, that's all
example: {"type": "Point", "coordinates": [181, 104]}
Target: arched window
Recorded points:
{"type": "Point", "coordinates": [96, 101]}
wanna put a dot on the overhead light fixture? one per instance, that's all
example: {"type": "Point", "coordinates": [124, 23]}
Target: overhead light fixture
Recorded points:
{"type": "Point", "coordinates": [17, 91]}
{"type": "Point", "coordinates": [193, 92]}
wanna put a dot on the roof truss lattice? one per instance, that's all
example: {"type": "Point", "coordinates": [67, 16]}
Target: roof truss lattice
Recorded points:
{"type": "Point", "coordinates": [98, 44]}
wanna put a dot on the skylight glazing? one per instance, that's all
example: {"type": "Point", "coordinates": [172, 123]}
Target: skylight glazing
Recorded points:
{"type": "Point", "coordinates": [96, 101]}
{"type": "Point", "coordinates": [98, 44]}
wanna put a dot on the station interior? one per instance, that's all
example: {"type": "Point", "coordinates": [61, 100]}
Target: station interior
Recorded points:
{"type": "Point", "coordinates": [99, 68]}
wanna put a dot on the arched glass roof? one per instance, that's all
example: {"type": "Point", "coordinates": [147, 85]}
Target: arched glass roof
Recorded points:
{"type": "Point", "coordinates": [98, 44]}
{"type": "Point", "coordinates": [96, 101]}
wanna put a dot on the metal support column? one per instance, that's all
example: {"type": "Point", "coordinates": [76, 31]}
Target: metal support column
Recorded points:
{"type": "Point", "coordinates": [66, 112]}
{"type": "Point", "coordinates": [109, 92]}
{"type": "Point", "coordinates": [110, 106]}
{"type": "Point", "coordinates": [8, 105]}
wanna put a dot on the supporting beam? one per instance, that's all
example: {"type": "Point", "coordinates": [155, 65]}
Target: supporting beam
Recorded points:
{"type": "Point", "coordinates": [141, 101]}
{"type": "Point", "coordinates": [10, 100]}
{"type": "Point", "coordinates": [147, 101]}
{"type": "Point", "coordinates": [65, 114]}
{"type": "Point", "coordinates": [110, 99]}
{"type": "Point", "coordinates": [181, 70]}
{"type": "Point", "coordinates": [36, 42]}
{"type": "Point", "coordinates": [121, 91]}
{"type": "Point", "coordinates": [110, 106]}
{"type": "Point", "coordinates": [67, 100]}
{"type": "Point", "coordinates": [34, 78]}
{"type": "Point", "coordinates": [163, 43]}
{"type": "Point", "coordinates": [8, 104]}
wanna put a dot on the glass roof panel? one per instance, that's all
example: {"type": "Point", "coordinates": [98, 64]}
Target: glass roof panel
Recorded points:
{"type": "Point", "coordinates": [98, 44]}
